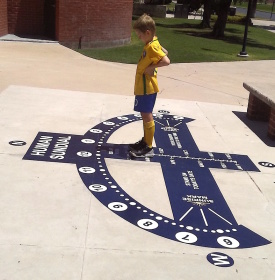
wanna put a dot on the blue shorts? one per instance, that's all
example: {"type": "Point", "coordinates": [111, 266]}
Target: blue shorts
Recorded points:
{"type": "Point", "coordinates": [145, 103]}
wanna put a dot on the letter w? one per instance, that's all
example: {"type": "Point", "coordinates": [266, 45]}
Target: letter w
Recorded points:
{"type": "Point", "coordinates": [220, 260]}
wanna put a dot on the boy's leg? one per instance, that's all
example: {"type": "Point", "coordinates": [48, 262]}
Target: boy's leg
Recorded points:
{"type": "Point", "coordinates": [145, 104]}
{"type": "Point", "coordinates": [149, 128]}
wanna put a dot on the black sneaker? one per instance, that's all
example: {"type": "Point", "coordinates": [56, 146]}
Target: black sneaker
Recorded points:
{"type": "Point", "coordinates": [138, 145]}
{"type": "Point", "coordinates": [144, 151]}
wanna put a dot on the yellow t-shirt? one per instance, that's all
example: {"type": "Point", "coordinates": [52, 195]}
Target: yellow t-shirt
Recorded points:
{"type": "Point", "coordinates": [152, 53]}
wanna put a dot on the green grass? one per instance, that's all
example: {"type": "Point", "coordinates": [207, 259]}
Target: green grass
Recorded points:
{"type": "Point", "coordinates": [186, 42]}
{"type": "Point", "coordinates": [126, 54]}
{"type": "Point", "coordinates": [264, 7]}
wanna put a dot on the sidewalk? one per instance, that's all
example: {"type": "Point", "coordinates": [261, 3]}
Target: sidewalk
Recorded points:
{"type": "Point", "coordinates": [62, 68]}
{"type": "Point", "coordinates": [266, 24]}
{"type": "Point", "coordinates": [73, 206]}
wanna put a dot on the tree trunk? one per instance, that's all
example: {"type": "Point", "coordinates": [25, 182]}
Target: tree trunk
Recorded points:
{"type": "Point", "coordinates": [219, 27]}
{"type": "Point", "coordinates": [253, 8]}
{"type": "Point", "coordinates": [206, 14]}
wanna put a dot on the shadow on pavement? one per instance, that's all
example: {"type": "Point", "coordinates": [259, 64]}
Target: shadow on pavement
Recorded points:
{"type": "Point", "coordinates": [258, 127]}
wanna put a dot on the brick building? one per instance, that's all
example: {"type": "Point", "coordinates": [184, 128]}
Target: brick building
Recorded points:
{"type": "Point", "coordinates": [74, 23]}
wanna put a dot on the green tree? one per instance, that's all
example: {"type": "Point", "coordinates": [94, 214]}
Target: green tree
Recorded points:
{"type": "Point", "coordinates": [253, 8]}
{"type": "Point", "coordinates": [222, 8]}
{"type": "Point", "coordinates": [206, 13]}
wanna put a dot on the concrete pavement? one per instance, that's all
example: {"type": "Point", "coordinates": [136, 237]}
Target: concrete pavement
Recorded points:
{"type": "Point", "coordinates": [266, 24]}
{"type": "Point", "coordinates": [53, 66]}
{"type": "Point", "coordinates": [74, 206]}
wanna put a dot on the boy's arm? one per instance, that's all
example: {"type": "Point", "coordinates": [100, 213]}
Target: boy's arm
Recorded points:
{"type": "Point", "coordinates": [164, 61]}
{"type": "Point", "coordinates": [164, 50]}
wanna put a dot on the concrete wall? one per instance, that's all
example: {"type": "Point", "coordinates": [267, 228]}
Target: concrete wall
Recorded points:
{"type": "Point", "coordinates": [3, 18]}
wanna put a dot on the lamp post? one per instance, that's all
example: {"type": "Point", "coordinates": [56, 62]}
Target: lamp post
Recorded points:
{"type": "Point", "coordinates": [243, 52]}
{"type": "Point", "coordinates": [272, 9]}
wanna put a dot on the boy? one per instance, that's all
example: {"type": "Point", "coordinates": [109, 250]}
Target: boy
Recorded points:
{"type": "Point", "coordinates": [146, 84]}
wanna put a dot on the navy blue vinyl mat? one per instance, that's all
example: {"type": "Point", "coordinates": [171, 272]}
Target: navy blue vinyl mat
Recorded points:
{"type": "Point", "coordinates": [201, 214]}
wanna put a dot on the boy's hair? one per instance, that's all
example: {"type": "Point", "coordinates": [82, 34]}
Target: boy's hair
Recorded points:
{"type": "Point", "coordinates": [145, 23]}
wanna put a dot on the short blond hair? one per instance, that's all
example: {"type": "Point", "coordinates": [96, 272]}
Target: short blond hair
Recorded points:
{"type": "Point", "coordinates": [144, 23]}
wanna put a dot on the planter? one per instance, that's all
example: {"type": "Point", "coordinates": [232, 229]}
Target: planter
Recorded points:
{"type": "Point", "coordinates": [181, 11]}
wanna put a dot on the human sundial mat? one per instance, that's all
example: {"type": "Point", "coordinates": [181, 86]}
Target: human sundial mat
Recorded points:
{"type": "Point", "coordinates": [208, 190]}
